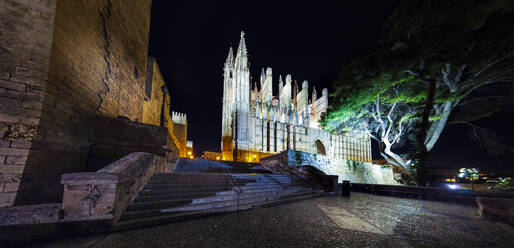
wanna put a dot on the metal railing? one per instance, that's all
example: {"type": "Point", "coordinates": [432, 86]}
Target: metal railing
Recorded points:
{"type": "Point", "coordinates": [234, 183]}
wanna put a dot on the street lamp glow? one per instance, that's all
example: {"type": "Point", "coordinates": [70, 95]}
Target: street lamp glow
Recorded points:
{"type": "Point", "coordinates": [452, 186]}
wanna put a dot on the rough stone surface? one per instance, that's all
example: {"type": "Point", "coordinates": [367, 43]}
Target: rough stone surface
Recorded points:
{"type": "Point", "coordinates": [353, 171]}
{"type": "Point", "coordinates": [362, 220]}
{"type": "Point", "coordinates": [105, 194]}
{"type": "Point", "coordinates": [26, 29]}
{"type": "Point", "coordinates": [33, 214]}
{"type": "Point", "coordinates": [113, 138]}
{"type": "Point", "coordinates": [61, 64]}
{"type": "Point", "coordinates": [496, 209]}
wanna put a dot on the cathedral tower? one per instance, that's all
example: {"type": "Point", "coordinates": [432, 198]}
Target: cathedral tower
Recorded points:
{"type": "Point", "coordinates": [236, 101]}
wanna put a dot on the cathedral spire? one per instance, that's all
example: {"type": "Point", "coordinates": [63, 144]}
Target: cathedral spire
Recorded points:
{"type": "Point", "coordinates": [241, 60]}
{"type": "Point", "coordinates": [230, 57]}
{"type": "Point", "coordinates": [242, 45]}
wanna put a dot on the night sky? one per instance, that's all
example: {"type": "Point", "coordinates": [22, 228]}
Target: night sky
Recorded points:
{"type": "Point", "coordinates": [190, 41]}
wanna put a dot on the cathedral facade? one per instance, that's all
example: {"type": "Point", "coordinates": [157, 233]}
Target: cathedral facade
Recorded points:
{"type": "Point", "coordinates": [256, 124]}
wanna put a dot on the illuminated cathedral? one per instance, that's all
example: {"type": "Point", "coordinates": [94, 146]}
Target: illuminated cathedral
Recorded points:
{"type": "Point", "coordinates": [257, 124]}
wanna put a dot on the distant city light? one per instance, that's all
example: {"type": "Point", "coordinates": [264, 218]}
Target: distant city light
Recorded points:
{"type": "Point", "coordinates": [452, 186]}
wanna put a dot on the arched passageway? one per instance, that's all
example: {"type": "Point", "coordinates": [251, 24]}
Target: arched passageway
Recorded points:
{"type": "Point", "coordinates": [319, 147]}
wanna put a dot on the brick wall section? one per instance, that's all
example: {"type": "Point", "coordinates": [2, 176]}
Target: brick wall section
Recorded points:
{"type": "Point", "coordinates": [26, 29]}
{"type": "Point", "coordinates": [57, 73]}
{"type": "Point", "coordinates": [152, 107]}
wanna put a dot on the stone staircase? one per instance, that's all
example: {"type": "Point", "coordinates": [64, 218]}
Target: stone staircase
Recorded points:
{"type": "Point", "coordinates": [172, 197]}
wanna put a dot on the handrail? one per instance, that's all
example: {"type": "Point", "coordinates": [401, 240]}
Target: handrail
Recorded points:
{"type": "Point", "coordinates": [235, 185]}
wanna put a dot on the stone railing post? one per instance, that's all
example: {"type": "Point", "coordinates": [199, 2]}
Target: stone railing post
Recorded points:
{"type": "Point", "coordinates": [106, 193]}
{"type": "Point", "coordinates": [89, 196]}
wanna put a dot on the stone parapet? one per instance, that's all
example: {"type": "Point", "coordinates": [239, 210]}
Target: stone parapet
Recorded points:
{"type": "Point", "coordinates": [105, 194]}
{"type": "Point", "coordinates": [354, 171]}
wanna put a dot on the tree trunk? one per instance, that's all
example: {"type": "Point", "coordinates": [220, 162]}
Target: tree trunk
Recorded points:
{"type": "Point", "coordinates": [399, 160]}
{"type": "Point", "coordinates": [422, 151]}
{"type": "Point", "coordinates": [437, 127]}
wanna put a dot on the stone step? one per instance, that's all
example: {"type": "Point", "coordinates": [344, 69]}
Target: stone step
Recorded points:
{"type": "Point", "coordinates": [154, 220]}
{"type": "Point", "coordinates": [205, 206]}
{"type": "Point", "coordinates": [145, 192]}
{"type": "Point", "coordinates": [142, 198]}
{"type": "Point", "coordinates": [180, 186]}
{"type": "Point", "coordinates": [174, 185]}
{"type": "Point", "coordinates": [173, 181]}
{"type": "Point", "coordinates": [170, 202]}
{"type": "Point", "coordinates": [219, 190]}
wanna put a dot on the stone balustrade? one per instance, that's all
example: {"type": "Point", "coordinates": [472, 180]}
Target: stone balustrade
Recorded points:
{"type": "Point", "coordinates": [106, 193]}
{"type": "Point", "coordinates": [345, 169]}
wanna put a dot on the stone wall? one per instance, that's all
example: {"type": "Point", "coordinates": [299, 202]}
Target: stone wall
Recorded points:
{"type": "Point", "coordinates": [354, 171]}
{"type": "Point", "coordinates": [152, 107]}
{"type": "Point", "coordinates": [61, 64]}
{"type": "Point", "coordinates": [114, 138]}
{"type": "Point", "coordinates": [26, 29]}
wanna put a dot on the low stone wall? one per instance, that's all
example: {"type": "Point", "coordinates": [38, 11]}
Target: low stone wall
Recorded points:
{"type": "Point", "coordinates": [354, 171]}
{"type": "Point", "coordinates": [105, 194]}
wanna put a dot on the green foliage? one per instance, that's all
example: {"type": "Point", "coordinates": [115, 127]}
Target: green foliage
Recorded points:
{"type": "Point", "coordinates": [353, 164]}
{"type": "Point", "coordinates": [502, 183]}
{"type": "Point", "coordinates": [459, 46]}
{"type": "Point", "coordinates": [349, 163]}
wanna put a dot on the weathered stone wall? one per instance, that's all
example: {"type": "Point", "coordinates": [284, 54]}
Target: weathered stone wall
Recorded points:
{"type": "Point", "coordinates": [152, 106]}
{"type": "Point", "coordinates": [61, 65]}
{"type": "Point", "coordinates": [113, 138]}
{"type": "Point", "coordinates": [26, 29]}
{"type": "Point", "coordinates": [354, 171]}
{"type": "Point", "coordinates": [180, 132]}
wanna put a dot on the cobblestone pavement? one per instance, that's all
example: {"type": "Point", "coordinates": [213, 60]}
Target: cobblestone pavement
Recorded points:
{"type": "Point", "coordinates": [360, 221]}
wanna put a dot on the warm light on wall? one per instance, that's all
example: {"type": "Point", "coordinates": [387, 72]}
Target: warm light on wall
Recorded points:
{"type": "Point", "coordinates": [218, 158]}
{"type": "Point", "coordinates": [188, 153]}
{"type": "Point", "coordinates": [191, 157]}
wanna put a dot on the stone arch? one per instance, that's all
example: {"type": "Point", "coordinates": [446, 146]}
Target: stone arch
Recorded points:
{"type": "Point", "coordinates": [319, 148]}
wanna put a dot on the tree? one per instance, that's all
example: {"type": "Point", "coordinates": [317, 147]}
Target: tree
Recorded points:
{"type": "Point", "coordinates": [383, 108]}
{"type": "Point", "coordinates": [454, 51]}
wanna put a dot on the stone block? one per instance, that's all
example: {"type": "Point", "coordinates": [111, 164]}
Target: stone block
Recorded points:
{"type": "Point", "coordinates": [496, 209]}
{"type": "Point", "coordinates": [11, 187]}
{"type": "Point", "coordinates": [16, 160]}
{"type": "Point", "coordinates": [105, 194]}
{"type": "Point", "coordinates": [12, 85]}
{"type": "Point", "coordinates": [14, 152]}
{"type": "Point", "coordinates": [20, 144]}
{"type": "Point", "coordinates": [31, 104]}
{"type": "Point", "coordinates": [24, 71]}
{"type": "Point", "coordinates": [10, 177]}
{"type": "Point", "coordinates": [7, 197]}
{"type": "Point", "coordinates": [4, 75]}
{"type": "Point", "coordinates": [11, 168]}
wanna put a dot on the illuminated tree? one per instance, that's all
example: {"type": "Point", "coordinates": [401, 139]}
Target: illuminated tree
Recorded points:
{"type": "Point", "coordinates": [454, 53]}
{"type": "Point", "coordinates": [472, 173]}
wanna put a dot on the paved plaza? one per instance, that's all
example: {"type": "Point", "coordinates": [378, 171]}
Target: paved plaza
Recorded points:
{"type": "Point", "coordinates": [363, 220]}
